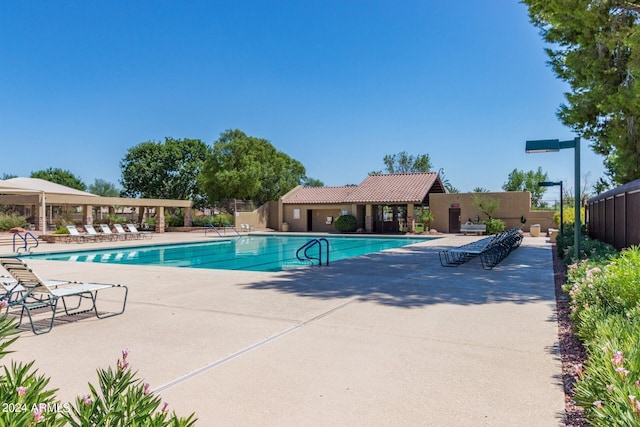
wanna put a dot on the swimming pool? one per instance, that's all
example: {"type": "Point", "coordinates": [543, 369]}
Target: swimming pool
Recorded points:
{"type": "Point", "coordinates": [248, 253]}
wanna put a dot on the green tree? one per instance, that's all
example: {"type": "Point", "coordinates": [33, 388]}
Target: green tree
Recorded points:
{"type": "Point", "coordinates": [596, 50]}
{"type": "Point", "coordinates": [104, 188]}
{"type": "Point", "coordinates": [527, 181]}
{"type": "Point", "coordinates": [165, 170]}
{"type": "Point", "coordinates": [480, 190]}
{"type": "Point", "coordinates": [486, 204]}
{"type": "Point", "coordinates": [246, 167]}
{"type": "Point", "coordinates": [451, 189]}
{"type": "Point", "coordinates": [8, 176]}
{"type": "Point", "coordinates": [312, 182]}
{"type": "Point", "coordinates": [60, 176]}
{"type": "Point", "coordinates": [406, 163]}
{"type": "Point", "coordinates": [426, 217]}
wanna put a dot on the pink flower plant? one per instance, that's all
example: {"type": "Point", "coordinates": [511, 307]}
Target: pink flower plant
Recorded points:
{"type": "Point", "coordinates": [21, 391]}
{"type": "Point", "coordinates": [622, 371]}
{"type": "Point", "coordinates": [38, 417]}
{"type": "Point", "coordinates": [598, 404]}
{"type": "Point", "coordinates": [618, 358]}
{"type": "Point", "coordinates": [579, 370]}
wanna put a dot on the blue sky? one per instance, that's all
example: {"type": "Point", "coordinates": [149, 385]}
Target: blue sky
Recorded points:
{"type": "Point", "coordinates": [335, 84]}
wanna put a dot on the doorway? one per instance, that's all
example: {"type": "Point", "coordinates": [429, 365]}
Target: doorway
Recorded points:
{"type": "Point", "coordinates": [454, 220]}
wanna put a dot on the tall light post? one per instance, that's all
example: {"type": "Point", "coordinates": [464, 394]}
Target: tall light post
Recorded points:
{"type": "Point", "coordinates": [549, 145]}
{"type": "Point", "coordinates": [441, 175]}
{"type": "Point", "coordinates": [552, 184]}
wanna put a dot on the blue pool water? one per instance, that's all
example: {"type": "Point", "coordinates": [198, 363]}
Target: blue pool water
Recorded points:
{"type": "Point", "coordinates": [249, 253]}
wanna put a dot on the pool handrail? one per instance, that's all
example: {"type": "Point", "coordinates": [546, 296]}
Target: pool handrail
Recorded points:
{"type": "Point", "coordinates": [24, 240]}
{"type": "Point", "coordinates": [214, 228]}
{"type": "Point", "coordinates": [310, 244]}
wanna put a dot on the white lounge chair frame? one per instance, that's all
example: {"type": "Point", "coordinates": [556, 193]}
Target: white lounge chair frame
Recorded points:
{"type": "Point", "coordinates": [142, 234]}
{"type": "Point", "coordinates": [29, 293]}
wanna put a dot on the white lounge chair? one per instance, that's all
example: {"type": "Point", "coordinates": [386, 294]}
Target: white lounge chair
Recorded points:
{"type": "Point", "coordinates": [125, 235]}
{"type": "Point", "coordinates": [36, 294]}
{"type": "Point", "coordinates": [76, 236]}
{"type": "Point", "coordinates": [106, 231]}
{"type": "Point", "coordinates": [143, 234]}
{"type": "Point", "coordinates": [91, 231]}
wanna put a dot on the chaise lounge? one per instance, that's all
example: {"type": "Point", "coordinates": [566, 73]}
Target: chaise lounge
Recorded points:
{"type": "Point", "coordinates": [32, 295]}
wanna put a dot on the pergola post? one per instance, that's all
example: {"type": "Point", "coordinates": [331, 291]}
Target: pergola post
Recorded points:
{"type": "Point", "coordinates": [159, 219]}
{"type": "Point", "coordinates": [42, 214]}
{"type": "Point", "coordinates": [87, 214]}
{"type": "Point", "coordinates": [188, 219]}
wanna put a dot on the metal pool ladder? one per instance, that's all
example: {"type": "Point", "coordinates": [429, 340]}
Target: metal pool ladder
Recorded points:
{"type": "Point", "coordinates": [303, 253]}
{"type": "Point", "coordinates": [24, 245]}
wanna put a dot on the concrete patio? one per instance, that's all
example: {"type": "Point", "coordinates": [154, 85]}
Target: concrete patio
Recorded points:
{"type": "Point", "coordinates": [391, 338]}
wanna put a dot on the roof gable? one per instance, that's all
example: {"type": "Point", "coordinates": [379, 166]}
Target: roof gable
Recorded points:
{"type": "Point", "coordinates": [393, 188]}
{"type": "Point", "coordinates": [316, 195]}
{"type": "Point", "coordinates": [375, 189]}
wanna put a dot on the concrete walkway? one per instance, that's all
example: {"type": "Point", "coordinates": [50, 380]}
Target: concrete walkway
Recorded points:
{"type": "Point", "coordinates": [390, 339]}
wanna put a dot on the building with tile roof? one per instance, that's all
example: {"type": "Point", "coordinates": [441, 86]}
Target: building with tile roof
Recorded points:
{"type": "Point", "coordinates": [380, 203]}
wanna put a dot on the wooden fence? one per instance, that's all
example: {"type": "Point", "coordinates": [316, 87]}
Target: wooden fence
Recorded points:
{"type": "Point", "coordinates": [614, 217]}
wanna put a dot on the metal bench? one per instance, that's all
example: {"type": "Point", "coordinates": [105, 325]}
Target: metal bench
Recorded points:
{"type": "Point", "coordinates": [473, 228]}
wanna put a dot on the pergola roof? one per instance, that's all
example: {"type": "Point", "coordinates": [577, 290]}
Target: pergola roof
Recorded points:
{"type": "Point", "coordinates": [33, 185]}
{"type": "Point", "coordinates": [375, 189]}
{"type": "Point", "coordinates": [61, 195]}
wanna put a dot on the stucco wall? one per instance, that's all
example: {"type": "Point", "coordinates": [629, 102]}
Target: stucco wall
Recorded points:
{"type": "Point", "coordinates": [513, 205]}
{"type": "Point", "coordinates": [261, 218]}
{"type": "Point", "coordinates": [319, 214]}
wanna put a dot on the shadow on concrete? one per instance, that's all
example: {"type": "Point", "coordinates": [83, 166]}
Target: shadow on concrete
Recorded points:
{"type": "Point", "coordinates": [412, 277]}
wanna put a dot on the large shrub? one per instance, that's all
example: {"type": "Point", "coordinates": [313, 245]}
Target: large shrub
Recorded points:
{"type": "Point", "coordinates": [568, 216]}
{"type": "Point", "coordinates": [346, 223]}
{"type": "Point", "coordinates": [605, 307]}
{"type": "Point", "coordinates": [494, 226]}
{"type": "Point", "coordinates": [174, 220]}
{"type": "Point", "coordinates": [607, 386]}
{"type": "Point", "coordinates": [7, 222]}
{"type": "Point", "coordinates": [589, 248]}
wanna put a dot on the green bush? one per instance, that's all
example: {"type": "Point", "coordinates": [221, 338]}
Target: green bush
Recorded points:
{"type": "Point", "coordinates": [346, 223]}
{"type": "Point", "coordinates": [568, 216]}
{"type": "Point", "coordinates": [589, 248]}
{"type": "Point", "coordinates": [494, 226]}
{"type": "Point", "coordinates": [604, 294]}
{"type": "Point", "coordinates": [7, 222]}
{"type": "Point", "coordinates": [176, 220]}
{"type": "Point", "coordinates": [223, 220]}
{"type": "Point", "coordinates": [607, 386]}
{"type": "Point", "coordinates": [61, 230]}
{"type": "Point", "coordinates": [122, 400]}
{"type": "Point", "coordinates": [201, 221]}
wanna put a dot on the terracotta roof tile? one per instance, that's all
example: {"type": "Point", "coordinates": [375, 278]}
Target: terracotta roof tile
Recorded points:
{"type": "Point", "coordinates": [389, 188]}
{"type": "Point", "coordinates": [317, 195]}
{"type": "Point", "coordinates": [393, 188]}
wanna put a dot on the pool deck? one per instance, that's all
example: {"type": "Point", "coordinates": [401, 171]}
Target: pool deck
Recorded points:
{"type": "Point", "coordinates": [391, 338]}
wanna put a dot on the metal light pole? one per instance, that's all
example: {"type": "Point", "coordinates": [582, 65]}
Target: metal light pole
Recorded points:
{"type": "Point", "coordinates": [548, 145]}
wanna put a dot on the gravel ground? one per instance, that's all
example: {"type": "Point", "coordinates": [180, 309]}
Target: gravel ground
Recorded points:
{"type": "Point", "coordinates": [571, 349]}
